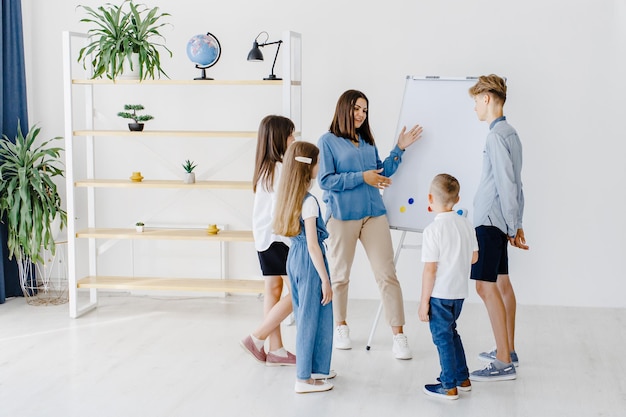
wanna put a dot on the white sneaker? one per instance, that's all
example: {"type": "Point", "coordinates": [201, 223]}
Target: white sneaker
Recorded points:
{"type": "Point", "coordinates": [342, 337]}
{"type": "Point", "coordinates": [317, 386]}
{"type": "Point", "coordinates": [401, 347]}
{"type": "Point", "coordinates": [329, 375]}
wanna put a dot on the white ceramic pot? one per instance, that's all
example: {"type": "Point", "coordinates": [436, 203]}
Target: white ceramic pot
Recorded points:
{"type": "Point", "coordinates": [127, 73]}
{"type": "Point", "coordinates": [190, 178]}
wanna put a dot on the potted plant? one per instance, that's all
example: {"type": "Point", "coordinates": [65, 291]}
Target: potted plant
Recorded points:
{"type": "Point", "coordinates": [137, 126]}
{"type": "Point", "coordinates": [123, 34]}
{"type": "Point", "coordinates": [190, 176]}
{"type": "Point", "coordinates": [30, 202]}
{"type": "Point", "coordinates": [139, 226]}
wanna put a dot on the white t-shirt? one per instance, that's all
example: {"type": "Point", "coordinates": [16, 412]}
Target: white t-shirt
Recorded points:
{"type": "Point", "coordinates": [310, 208]}
{"type": "Point", "coordinates": [263, 214]}
{"type": "Point", "coordinates": [450, 240]}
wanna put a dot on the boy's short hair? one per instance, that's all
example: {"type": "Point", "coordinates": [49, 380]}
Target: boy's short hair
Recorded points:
{"type": "Point", "coordinates": [492, 84]}
{"type": "Point", "coordinates": [446, 188]}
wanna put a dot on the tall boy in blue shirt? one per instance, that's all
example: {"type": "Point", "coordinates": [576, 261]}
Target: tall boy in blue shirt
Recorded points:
{"type": "Point", "coordinates": [498, 211]}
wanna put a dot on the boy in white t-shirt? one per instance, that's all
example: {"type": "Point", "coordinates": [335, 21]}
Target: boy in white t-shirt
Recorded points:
{"type": "Point", "coordinates": [449, 248]}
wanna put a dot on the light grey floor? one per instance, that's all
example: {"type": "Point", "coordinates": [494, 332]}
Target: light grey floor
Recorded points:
{"type": "Point", "coordinates": [149, 356]}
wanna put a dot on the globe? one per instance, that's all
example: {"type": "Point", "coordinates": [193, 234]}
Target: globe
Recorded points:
{"type": "Point", "coordinates": [204, 51]}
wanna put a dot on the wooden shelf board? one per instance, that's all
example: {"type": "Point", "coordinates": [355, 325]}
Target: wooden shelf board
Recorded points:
{"type": "Point", "coordinates": [170, 133]}
{"type": "Point", "coordinates": [118, 81]}
{"type": "Point", "coordinates": [114, 183]}
{"type": "Point", "coordinates": [150, 233]}
{"type": "Point", "coordinates": [172, 284]}
{"type": "Point", "coordinates": [182, 82]}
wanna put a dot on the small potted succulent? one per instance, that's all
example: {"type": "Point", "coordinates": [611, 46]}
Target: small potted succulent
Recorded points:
{"type": "Point", "coordinates": [137, 126]}
{"type": "Point", "coordinates": [190, 176]}
{"type": "Point", "coordinates": [139, 227]}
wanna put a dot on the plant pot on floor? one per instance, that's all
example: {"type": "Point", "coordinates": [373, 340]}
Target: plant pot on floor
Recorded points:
{"type": "Point", "coordinates": [135, 127]}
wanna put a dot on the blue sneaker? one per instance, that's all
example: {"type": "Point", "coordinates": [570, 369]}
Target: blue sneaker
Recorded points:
{"type": "Point", "coordinates": [437, 390]}
{"type": "Point", "coordinates": [491, 356]}
{"type": "Point", "coordinates": [490, 373]}
{"type": "Point", "coordinates": [464, 386]}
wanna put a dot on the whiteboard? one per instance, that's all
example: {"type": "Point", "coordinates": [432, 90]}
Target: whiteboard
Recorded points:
{"type": "Point", "coordinates": [452, 142]}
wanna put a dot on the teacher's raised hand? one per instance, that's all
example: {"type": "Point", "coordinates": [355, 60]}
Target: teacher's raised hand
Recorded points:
{"type": "Point", "coordinates": [408, 138]}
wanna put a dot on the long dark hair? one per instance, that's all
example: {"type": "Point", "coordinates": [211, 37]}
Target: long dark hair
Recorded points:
{"type": "Point", "coordinates": [270, 148]}
{"type": "Point", "coordinates": [343, 120]}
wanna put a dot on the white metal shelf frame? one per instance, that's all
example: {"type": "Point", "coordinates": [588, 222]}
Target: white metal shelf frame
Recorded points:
{"type": "Point", "coordinates": [291, 107]}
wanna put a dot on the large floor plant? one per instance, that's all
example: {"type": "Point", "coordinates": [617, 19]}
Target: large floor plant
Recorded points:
{"type": "Point", "coordinates": [29, 200]}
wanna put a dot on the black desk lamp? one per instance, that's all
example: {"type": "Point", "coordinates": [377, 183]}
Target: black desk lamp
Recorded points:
{"type": "Point", "coordinates": [255, 53]}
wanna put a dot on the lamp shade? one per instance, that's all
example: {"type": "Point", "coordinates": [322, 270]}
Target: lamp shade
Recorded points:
{"type": "Point", "coordinates": [255, 53]}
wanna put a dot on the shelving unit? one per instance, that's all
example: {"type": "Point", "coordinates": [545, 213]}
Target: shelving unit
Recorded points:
{"type": "Point", "coordinates": [83, 219]}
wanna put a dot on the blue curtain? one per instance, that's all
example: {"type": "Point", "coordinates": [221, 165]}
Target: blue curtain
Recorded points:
{"type": "Point", "coordinates": [13, 98]}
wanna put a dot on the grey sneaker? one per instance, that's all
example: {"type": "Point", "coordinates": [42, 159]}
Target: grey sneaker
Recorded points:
{"type": "Point", "coordinates": [491, 356]}
{"type": "Point", "coordinates": [490, 373]}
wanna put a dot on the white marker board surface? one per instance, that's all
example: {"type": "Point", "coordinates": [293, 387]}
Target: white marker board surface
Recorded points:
{"type": "Point", "coordinates": [452, 142]}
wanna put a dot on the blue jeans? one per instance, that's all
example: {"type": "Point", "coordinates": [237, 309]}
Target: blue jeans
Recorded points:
{"type": "Point", "coordinates": [443, 317]}
{"type": "Point", "coordinates": [314, 335]}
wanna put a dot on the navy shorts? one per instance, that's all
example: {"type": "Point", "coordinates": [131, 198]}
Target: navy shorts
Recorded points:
{"type": "Point", "coordinates": [493, 258]}
{"type": "Point", "coordinates": [273, 260]}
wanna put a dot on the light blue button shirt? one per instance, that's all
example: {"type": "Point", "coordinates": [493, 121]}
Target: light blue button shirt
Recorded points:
{"type": "Point", "coordinates": [341, 166]}
{"type": "Point", "coordinates": [499, 200]}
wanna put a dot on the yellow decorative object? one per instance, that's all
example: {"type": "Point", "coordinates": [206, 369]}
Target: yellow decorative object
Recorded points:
{"type": "Point", "coordinates": [213, 229]}
{"type": "Point", "coordinates": [136, 177]}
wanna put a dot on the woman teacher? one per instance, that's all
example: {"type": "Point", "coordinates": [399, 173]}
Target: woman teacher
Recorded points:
{"type": "Point", "coordinates": [352, 175]}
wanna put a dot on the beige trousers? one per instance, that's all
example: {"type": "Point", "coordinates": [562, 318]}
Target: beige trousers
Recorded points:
{"type": "Point", "coordinates": [373, 232]}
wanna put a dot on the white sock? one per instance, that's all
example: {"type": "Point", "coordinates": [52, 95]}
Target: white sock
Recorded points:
{"type": "Point", "coordinates": [257, 342]}
{"type": "Point", "coordinates": [280, 352]}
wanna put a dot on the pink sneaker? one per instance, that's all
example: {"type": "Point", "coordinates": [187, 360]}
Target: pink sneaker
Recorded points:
{"type": "Point", "coordinates": [275, 360]}
{"type": "Point", "coordinates": [248, 345]}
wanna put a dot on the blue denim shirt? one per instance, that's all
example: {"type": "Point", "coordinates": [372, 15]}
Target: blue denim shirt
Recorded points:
{"type": "Point", "coordinates": [341, 166]}
{"type": "Point", "coordinates": [499, 200]}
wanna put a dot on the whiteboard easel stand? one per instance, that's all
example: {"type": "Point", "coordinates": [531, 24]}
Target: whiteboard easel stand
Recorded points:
{"type": "Point", "coordinates": [401, 246]}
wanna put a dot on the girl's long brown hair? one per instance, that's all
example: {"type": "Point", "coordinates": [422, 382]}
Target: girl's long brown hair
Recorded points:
{"type": "Point", "coordinates": [295, 182]}
{"type": "Point", "coordinates": [270, 148]}
{"type": "Point", "coordinates": [343, 121]}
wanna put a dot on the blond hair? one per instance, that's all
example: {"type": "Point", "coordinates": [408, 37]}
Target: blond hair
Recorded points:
{"type": "Point", "coordinates": [446, 189]}
{"type": "Point", "coordinates": [492, 84]}
{"type": "Point", "coordinates": [295, 181]}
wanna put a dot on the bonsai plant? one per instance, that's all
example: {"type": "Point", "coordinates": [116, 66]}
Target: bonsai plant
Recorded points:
{"type": "Point", "coordinates": [190, 176]}
{"type": "Point", "coordinates": [120, 33]}
{"type": "Point", "coordinates": [139, 226]}
{"type": "Point", "coordinates": [29, 200]}
{"type": "Point", "coordinates": [137, 126]}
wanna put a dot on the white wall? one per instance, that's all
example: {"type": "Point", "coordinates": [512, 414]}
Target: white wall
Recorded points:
{"type": "Point", "coordinates": [566, 70]}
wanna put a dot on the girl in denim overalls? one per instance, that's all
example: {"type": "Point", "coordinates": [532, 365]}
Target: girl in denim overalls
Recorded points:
{"type": "Point", "coordinates": [298, 216]}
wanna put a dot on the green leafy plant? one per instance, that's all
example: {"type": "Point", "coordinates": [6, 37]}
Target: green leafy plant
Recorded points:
{"type": "Point", "coordinates": [28, 195]}
{"type": "Point", "coordinates": [139, 224]}
{"type": "Point", "coordinates": [136, 117]}
{"type": "Point", "coordinates": [119, 32]}
{"type": "Point", "coordinates": [189, 166]}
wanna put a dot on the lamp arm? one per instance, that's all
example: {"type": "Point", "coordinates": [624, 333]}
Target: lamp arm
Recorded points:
{"type": "Point", "coordinates": [270, 43]}
{"type": "Point", "coordinates": [276, 56]}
